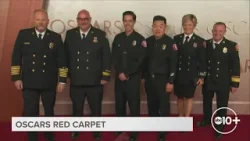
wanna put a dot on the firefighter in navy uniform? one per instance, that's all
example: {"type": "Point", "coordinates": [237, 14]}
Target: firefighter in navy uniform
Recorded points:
{"type": "Point", "coordinates": [159, 70]}
{"type": "Point", "coordinates": [191, 65]}
{"type": "Point", "coordinates": [129, 51]}
{"type": "Point", "coordinates": [38, 67]}
{"type": "Point", "coordinates": [223, 74]}
{"type": "Point", "coordinates": [89, 63]}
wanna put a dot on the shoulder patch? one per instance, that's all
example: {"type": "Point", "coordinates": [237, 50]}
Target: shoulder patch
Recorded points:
{"type": "Point", "coordinates": [144, 43]}
{"type": "Point", "coordinates": [174, 47]}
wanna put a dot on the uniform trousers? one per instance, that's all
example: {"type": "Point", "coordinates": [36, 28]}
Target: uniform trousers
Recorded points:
{"type": "Point", "coordinates": [222, 97]}
{"type": "Point", "coordinates": [128, 91]}
{"type": "Point", "coordinates": [94, 95]}
{"type": "Point", "coordinates": [31, 98]}
{"type": "Point", "coordinates": [157, 98]}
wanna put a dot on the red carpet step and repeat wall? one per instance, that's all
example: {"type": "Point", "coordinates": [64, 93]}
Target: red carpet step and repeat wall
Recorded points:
{"type": "Point", "coordinates": [107, 15]}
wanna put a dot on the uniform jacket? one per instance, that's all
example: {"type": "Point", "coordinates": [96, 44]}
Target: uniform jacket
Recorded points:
{"type": "Point", "coordinates": [40, 64]}
{"type": "Point", "coordinates": [89, 59]}
{"type": "Point", "coordinates": [191, 59]}
{"type": "Point", "coordinates": [223, 69]}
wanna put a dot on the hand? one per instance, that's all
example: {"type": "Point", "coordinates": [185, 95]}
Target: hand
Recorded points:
{"type": "Point", "coordinates": [169, 87]}
{"type": "Point", "coordinates": [103, 82]}
{"type": "Point", "coordinates": [19, 84]}
{"type": "Point", "coordinates": [122, 77]}
{"type": "Point", "coordinates": [200, 82]}
{"type": "Point", "coordinates": [60, 87]}
{"type": "Point", "coordinates": [143, 81]}
{"type": "Point", "coordinates": [233, 89]}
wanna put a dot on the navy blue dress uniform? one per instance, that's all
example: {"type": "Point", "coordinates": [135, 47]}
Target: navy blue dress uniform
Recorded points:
{"type": "Point", "coordinates": [129, 52]}
{"type": "Point", "coordinates": [191, 64]}
{"type": "Point", "coordinates": [38, 60]}
{"type": "Point", "coordinates": [159, 69]}
{"type": "Point", "coordinates": [223, 72]}
{"type": "Point", "coordinates": [89, 62]}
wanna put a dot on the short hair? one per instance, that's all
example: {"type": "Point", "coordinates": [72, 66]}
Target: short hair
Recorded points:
{"type": "Point", "coordinates": [131, 13]}
{"type": "Point", "coordinates": [220, 23]}
{"type": "Point", "coordinates": [189, 17]}
{"type": "Point", "coordinates": [159, 18]}
{"type": "Point", "coordinates": [40, 10]}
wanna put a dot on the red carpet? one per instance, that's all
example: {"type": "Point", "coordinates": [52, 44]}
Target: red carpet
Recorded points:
{"type": "Point", "coordinates": [242, 133]}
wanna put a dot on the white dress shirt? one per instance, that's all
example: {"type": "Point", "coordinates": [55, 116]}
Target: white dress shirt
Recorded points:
{"type": "Point", "coordinates": [43, 33]}
{"type": "Point", "coordinates": [86, 33]}
{"type": "Point", "coordinates": [214, 42]}
{"type": "Point", "coordinates": [185, 35]}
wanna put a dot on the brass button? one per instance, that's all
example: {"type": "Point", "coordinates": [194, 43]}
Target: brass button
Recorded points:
{"type": "Point", "coordinates": [87, 68]}
{"type": "Point", "coordinates": [44, 56]}
{"type": "Point", "coordinates": [218, 62]}
{"type": "Point", "coordinates": [43, 70]}
{"type": "Point", "coordinates": [44, 63]}
{"type": "Point", "coordinates": [208, 61]}
{"type": "Point", "coordinates": [189, 57]}
{"type": "Point", "coordinates": [188, 63]}
{"type": "Point", "coordinates": [187, 69]}
{"type": "Point", "coordinates": [78, 67]}
{"type": "Point", "coordinates": [179, 68]}
{"type": "Point", "coordinates": [87, 52]}
{"type": "Point", "coordinates": [78, 52]}
{"type": "Point", "coordinates": [33, 70]}
{"type": "Point", "coordinates": [78, 60]}
{"type": "Point", "coordinates": [87, 60]}
{"type": "Point", "coordinates": [217, 75]}
{"type": "Point", "coordinates": [218, 69]}
{"type": "Point", "coordinates": [34, 55]}
{"type": "Point", "coordinates": [33, 62]}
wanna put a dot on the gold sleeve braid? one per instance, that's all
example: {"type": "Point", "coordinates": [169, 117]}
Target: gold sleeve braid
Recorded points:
{"type": "Point", "coordinates": [106, 73]}
{"type": "Point", "coordinates": [15, 70]}
{"type": "Point", "coordinates": [235, 79]}
{"type": "Point", "coordinates": [63, 72]}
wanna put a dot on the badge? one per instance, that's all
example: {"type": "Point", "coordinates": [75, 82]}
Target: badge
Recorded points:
{"type": "Point", "coordinates": [95, 40]}
{"type": "Point", "coordinates": [195, 44]}
{"type": "Point", "coordinates": [51, 45]}
{"type": "Point", "coordinates": [172, 74]}
{"type": "Point", "coordinates": [225, 50]}
{"type": "Point", "coordinates": [144, 43]}
{"type": "Point", "coordinates": [237, 47]}
{"type": "Point", "coordinates": [26, 43]}
{"type": "Point", "coordinates": [134, 43]}
{"type": "Point", "coordinates": [175, 47]}
{"type": "Point", "coordinates": [163, 47]}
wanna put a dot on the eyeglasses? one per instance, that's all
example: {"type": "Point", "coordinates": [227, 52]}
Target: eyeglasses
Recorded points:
{"type": "Point", "coordinates": [83, 19]}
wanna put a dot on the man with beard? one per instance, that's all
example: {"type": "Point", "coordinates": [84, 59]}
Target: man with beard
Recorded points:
{"type": "Point", "coordinates": [223, 74]}
{"type": "Point", "coordinates": [159, 70]}
{"type": "Point", "coordinates": [37, 56]}
{"type": "Point", "coordinates": [129, 50]}
{"type": "Point", "coordinates": [89, 62]}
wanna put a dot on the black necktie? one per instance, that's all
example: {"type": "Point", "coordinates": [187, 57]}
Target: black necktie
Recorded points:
{"type": "Point", "coordinates": [40, 36]}
{"type": "Point", "coordinates": [216, 45]}
{"type": "Point", "coordinates": [83, 36]}
{"type": "Point", "coordinates": [186, 40]}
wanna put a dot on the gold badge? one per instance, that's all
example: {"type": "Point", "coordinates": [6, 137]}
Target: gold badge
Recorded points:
{"type": "Point", "coordinates": [163, 47]}
{"type": "Point", "coordinates": [95, 40]}
{"type": "Point", "coordinates": [225, 50]}
{"type": "Point", "coordinates": [195, 44]}
{"type": "Point", "coordinates": [134, 43]}
{"type": "Point", "coordinates": [51, 45]}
